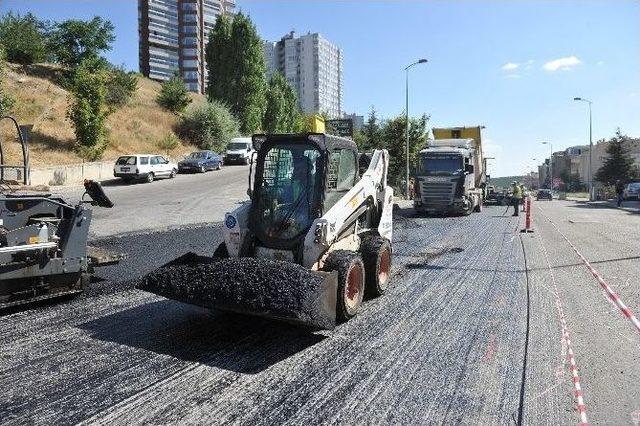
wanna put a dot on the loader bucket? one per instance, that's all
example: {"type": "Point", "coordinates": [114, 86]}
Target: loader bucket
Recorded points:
{"type": "Point", "coordinates": [267, 288]}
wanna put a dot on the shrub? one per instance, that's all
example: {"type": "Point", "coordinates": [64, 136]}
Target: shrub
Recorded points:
{"type": "Point", "coordinates": [6, 102]}
{"type": "Point", "coordinates": [24, 38]}
{"type": "Point", "coordinates": [209, 126]}
{"type": "Point", "coordinates": [88, 110]}
{"type": "Point", "coordinates": [169, 143]}
{"type": "Point", "coordinates": [173, 95]}
{"type": "Point", "coordinates": [121, 87]}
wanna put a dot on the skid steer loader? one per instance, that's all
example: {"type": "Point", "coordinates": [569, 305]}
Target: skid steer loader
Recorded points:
{"type": "Point", "coordinates": [43, 239]}
{"type": "Point", "coordinates": [314, 237]}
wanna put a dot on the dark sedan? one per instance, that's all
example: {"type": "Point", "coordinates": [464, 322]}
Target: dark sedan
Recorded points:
{"type": "Point", "coordinates": [544, 194]}
{"type": "Point", "coordinates": [200, 161]}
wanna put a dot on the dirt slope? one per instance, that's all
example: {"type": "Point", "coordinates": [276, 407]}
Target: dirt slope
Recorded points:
{"type": "Point", "coordinates": [137, 127]}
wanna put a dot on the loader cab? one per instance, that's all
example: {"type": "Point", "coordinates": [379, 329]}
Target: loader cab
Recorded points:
{"type": "Point", "coordinates": [298, 177]}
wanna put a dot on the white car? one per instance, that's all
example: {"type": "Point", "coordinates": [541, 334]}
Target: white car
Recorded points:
{"type": "Point", "coordinates": [144, 167]}
{"type": "Point", "coordinates": [239, 151]}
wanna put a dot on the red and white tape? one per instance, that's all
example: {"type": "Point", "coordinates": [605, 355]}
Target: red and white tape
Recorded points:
{"type": "Point", "coordinates": [612, 294]}
{"type": "Point", "coordinates": [573, 366]}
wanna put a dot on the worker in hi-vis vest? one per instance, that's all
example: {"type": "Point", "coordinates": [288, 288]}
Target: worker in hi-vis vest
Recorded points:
{"type": "Point", "coordinates": [516, 197]}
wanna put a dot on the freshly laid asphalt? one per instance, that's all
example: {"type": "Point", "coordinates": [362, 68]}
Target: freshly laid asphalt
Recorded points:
{"type": "Point", "coordinates": [468, 332]}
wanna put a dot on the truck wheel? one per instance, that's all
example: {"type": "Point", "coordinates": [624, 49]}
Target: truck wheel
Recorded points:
{"type": "Point", "coordinates": [150, 178]}
{"type": "Point", "coordinates": [376, 256]}
{"type": "Point", "coordinates": [221, 252]}
{"type": "Point", "coordinates": [478, 208]}
{"type": "Point", "coordinates": [351, 274]}
{"type": "Point", "coordinates": [173, 174]}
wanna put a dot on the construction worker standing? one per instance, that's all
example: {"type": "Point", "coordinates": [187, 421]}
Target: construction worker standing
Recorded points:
{"type": "Point", "coordinates": [516, 197]}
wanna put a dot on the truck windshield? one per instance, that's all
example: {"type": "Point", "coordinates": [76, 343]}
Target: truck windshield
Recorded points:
{"type": "Point", "coordinates": [237, 146]}
{"type": "Point", "coordinates": [289, 188]}
{"type": "Point", "coordinates": [440, 164]}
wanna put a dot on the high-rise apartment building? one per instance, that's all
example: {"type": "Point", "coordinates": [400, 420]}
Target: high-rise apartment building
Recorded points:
{"type": "Point", "coordinates": [173, 35]}
{"type": "Point", "coordinates": [313, 66]}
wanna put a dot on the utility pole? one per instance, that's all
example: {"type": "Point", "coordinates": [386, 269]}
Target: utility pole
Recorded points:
{"type": "Point", "coordinates": [590, 147]}
{"type": "Point", "coordinates": [406, 109]}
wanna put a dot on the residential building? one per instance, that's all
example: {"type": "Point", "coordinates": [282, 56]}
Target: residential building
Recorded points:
{"type": "Point", "coordinates": [313, 67]}
{"type": "Point", "coordinates": [173, 36]}
{"type": "Point", "coordinates": [358, 121]}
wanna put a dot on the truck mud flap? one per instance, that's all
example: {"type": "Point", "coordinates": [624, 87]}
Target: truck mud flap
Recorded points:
{"type": "Point", "coordinates": [272, 289]}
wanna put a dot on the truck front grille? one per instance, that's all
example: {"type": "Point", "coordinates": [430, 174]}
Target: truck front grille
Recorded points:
{"type": "Point", "coordinates": [436, 193]}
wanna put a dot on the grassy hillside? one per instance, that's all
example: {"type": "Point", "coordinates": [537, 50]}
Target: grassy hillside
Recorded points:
{"type": "Point", "coordinates": [505, 181]}
{"type": "Point", "coordinates": [137, 127]}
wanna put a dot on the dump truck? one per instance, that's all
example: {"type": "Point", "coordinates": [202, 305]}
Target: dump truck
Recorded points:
{"type": "Point", "coordinates": [450, 175]}
{"type": "Point", "coordinates": [43, 238]}
{"type": "Point", "coordinates": [313, 238]}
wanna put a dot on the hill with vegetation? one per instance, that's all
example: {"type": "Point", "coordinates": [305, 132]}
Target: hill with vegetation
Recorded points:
{"type": "Point", "coordinates": [138, 126]}
{"type": "Point", "coordinates": [505, 181]}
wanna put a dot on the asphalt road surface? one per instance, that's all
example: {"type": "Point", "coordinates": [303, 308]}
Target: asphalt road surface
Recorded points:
{"type": "Point", "coordinates": [477, 328]}
{"type": "Point", "coordinates": [187, 199]}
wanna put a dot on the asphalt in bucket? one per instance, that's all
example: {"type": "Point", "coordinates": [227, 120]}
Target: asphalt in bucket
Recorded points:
{"type": "Point", "coordinates": [267, 288]}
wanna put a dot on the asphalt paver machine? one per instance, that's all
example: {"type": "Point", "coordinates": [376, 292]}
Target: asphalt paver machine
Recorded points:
{"type": "Point", "coordinates": [43, 239]}
{"type": "Point", "coordinates": [314, 237]}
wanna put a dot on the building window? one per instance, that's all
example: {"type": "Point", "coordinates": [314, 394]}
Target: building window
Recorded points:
{"type": "Point", "coordinates": [189, 63]}
{"type": "Point", "coordinates": [189, 52]}
{"type": "Point", "coordinates": [190, 41]}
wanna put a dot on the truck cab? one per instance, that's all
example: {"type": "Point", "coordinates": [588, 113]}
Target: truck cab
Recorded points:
{"type": "Point", "coordinates": [445, 180]}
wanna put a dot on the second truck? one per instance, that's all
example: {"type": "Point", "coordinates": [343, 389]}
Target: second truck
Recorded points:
{"type": "Point", "coordinates": [450, 175]}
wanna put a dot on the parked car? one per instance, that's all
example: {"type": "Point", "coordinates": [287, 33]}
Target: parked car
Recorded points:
{"type": "Point", "coordinates": [200, 161]}
{"type": "Point", "coordinates": [144, 167]}
{"type": "Point", "coordinates": [239, 151]}
{"type": "Point", "coordinates": [631, 191]}
{"type": "Point", "coordinates": [544, 194]}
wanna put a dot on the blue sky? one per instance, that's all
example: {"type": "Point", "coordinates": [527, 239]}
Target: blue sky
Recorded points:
{"type": "Point", "coordinates": [490, 62]}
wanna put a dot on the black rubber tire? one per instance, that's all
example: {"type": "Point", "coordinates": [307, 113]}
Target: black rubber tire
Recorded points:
{"type": "Point", "coordinates": [478, 208]}
{"type": "Point", "coordinates": [219, 165]}
{"type": "Point", "coordinates": [373, 248]}
{"type": "Point", "coordinates": [221, 252]}
{"type": "Point", "coordinates": [173, 174]}
{"type": "Point", "coordinates": [150, 178]}
{"type": "Point", "coordinates": [203, 169]}
{"type": "Point", "coordinates": [344, 262]}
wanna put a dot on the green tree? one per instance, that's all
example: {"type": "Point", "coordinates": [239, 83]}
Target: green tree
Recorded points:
{"type": "Point", "coordinates": [173, 95]}
{"type": "Point", "coordinates": [6, 101]}
{"type": "Point", "coordinates": [281, 114]}
{"type": "Point", "coordinates": [169, 142]}
{"type": "Point", "coordinates": [240, 82]}
{"type": "Point", "coordinates": [88, 110]}
{"type": "Point", "coordinates": [73, 41]}
{"type": "Point", "coordinates": [209, 126]}
{"type": "Point", "coordinates": [371, 137]}
{"type": "Point", "coordinates": [619, 164]}
{"type": "Point", "coordinates": [24, 38]}
{"type": "Point", "coordinates": [219, 59]}
{"type": "Point", "coordinates": [393, 139]}
{"type": "Point", "coordinates": [121, 87]}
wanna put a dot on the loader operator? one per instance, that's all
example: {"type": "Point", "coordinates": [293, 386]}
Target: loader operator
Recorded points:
{"type": "Point", "coordinates": [291, 207]}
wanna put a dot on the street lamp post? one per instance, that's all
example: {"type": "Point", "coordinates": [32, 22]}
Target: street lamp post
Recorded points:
{"type": "Point", "coordinates": [421, 61]}
{"type": "Point", "coordinates": [550, 165]}
{"type": "Point", "coordinates": [590, 147]}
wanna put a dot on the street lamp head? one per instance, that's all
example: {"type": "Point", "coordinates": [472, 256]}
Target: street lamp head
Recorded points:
{"type": "Point", "coordinates": [577, 99]}
{"type": "Point", "coordinates": [422, 61]}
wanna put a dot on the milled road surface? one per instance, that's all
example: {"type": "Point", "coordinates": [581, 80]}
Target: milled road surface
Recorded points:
{"type": "Point", "coordinates": [446, 344]}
